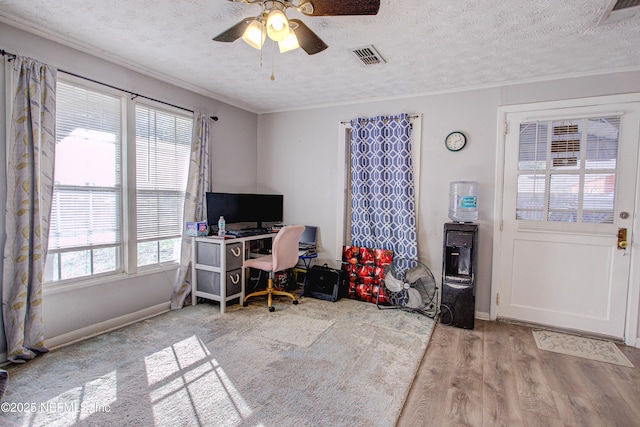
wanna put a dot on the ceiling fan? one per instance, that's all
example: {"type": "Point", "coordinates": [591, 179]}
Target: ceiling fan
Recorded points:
{"type": "Point", "coordinates": [292, 33]}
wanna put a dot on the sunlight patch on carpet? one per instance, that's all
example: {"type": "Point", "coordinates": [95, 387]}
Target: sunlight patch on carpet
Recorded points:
{"type": "Point", "coordinates": [587, 348]}
{"type": "Point", "coordinates": [185, 375]}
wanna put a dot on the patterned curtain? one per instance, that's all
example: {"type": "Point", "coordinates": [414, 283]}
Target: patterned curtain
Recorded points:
{"type": "Point", "coordinates": [30, 163]}
{"type": "Point", "coordinates": [382, 193]}
{"type": "Point", "coordinates": [195, 205]}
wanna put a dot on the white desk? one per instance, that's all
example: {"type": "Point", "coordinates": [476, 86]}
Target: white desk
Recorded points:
{"type": "Point", "coordinates": [216, 267]}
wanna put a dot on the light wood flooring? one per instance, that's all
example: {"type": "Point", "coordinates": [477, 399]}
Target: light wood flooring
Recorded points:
{"type": "Point", "coordinates": [494, 375]}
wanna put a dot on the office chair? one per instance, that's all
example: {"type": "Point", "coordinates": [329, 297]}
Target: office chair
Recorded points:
{"type": "Point", "coordinates": [284, 254]}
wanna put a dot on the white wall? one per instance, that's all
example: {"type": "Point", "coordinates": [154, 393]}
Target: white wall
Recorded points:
{"type": "Point", "coordinates": [297, 154]}
{"type": "Point", "coordinates": [71, 311]}
{"type": "Point", "coordinates": [304, 146]}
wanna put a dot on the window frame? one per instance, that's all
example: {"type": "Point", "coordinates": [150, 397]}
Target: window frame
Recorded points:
{"type": "Point", "coordinates": [580, 170]}
{"type": "Point", "coordinates": [120, 247]}
{"type": "Point", "coordinates": [133, 250]}
{"type": "Point", "coordinates": [128, 241]}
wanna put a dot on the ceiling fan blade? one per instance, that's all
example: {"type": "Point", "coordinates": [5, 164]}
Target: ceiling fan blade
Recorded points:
{"type": "Point", "coordinates": [307, 39]}
{"type": "Point", "coordinates": [235, 32]}
{"type": "Point", "coordinates": [343, 7]}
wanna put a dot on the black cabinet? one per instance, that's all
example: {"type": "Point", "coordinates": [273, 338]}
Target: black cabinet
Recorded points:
{"type": "Point", "coordinates": [459, 252]}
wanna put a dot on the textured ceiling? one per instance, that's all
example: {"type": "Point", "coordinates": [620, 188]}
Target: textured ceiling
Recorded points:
{"type": "Point", "coordinates": [429, 46]}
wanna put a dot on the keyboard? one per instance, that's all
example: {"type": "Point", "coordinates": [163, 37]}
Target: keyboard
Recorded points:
{"type": "Point", "coordinates": [247, 232]}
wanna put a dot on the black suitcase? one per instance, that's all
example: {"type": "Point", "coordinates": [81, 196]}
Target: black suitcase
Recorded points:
{"type": "Point", "coordinates": [324, 282]}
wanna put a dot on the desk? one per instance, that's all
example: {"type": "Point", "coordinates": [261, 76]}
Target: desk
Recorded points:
{"type": "Point", "coordinates": [216, 267]}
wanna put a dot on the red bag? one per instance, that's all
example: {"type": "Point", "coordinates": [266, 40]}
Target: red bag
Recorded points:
{"type": "Point", "coordinates": [364, 269]}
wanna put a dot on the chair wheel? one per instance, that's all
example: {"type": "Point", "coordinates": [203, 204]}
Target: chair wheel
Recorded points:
{"type": "Point", "coordinates": [295, 302]}
{"type": "Point", "coordinates": [272, 309]}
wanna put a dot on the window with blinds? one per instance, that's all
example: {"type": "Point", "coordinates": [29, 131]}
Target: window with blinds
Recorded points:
{"type": "Point", "coordinates": [87, 229]}
{"type": "Point", "coordinates": [85, 234]}
{"type": "Point", "coordinates": [163, 145]}
{"type": "Point", "coordinates": [567, 170]}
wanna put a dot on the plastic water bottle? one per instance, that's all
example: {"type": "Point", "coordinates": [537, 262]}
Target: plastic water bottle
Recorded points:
{"type": "Point", "coordinates": [463, 201]}
{"type": "Point", "coordinates": [221, 226]}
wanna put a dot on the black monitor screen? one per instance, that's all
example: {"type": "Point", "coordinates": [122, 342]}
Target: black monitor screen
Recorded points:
{"type": "Point", "coordinates": [269, 207]}
{"type": "Point", "coordinates": [244, 207]}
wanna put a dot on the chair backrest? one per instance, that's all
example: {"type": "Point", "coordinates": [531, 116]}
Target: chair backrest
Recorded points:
{"type": "Point", "coordinates": [285, 247]}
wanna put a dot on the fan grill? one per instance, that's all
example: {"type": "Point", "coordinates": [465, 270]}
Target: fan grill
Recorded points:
{"type": "Point", "coordinates": [411, 286]}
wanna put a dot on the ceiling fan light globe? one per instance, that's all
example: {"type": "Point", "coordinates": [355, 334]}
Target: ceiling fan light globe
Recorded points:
{"type": "Point", "coordinates": [277, 25]}
{"type": "Point", "coordinates": [289, 43]}
{"type": "Point", "coordinates": [255, 35]}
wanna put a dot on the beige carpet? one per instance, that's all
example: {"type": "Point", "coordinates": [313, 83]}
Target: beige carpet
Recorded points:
{"type": "Point", "coordinates": [587, 348]}
{"type": "Point", "coordinates": [314, 364]}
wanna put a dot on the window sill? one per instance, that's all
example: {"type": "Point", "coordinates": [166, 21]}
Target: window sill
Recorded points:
{"type": "Point", "coordinates": [69, 286]}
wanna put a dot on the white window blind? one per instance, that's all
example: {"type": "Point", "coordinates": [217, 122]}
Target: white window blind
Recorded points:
{"type": "Point", "coordinates": [86, 215]}
{"type": "Point", "coordinates": [567, 170]}
{"type": "Point", "coordinates": [163, 145]}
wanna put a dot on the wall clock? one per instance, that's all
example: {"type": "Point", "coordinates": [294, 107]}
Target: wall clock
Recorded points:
{"type": "Point", "coordinates": [455, 141]}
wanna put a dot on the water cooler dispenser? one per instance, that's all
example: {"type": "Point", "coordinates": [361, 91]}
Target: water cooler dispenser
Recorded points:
{"type": "Point", "coordinates": [460, 243]}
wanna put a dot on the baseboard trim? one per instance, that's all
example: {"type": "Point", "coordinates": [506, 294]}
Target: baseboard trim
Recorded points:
{"type": "Point", "coordinates": [100, 328]}
{"type": "Point", "coordinates": [482, 315]}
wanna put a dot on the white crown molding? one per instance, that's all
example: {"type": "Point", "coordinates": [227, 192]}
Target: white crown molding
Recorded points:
{"type": "Point", "coordinates": [459, 89]}
{"type": "Point", "coordinates": [90, 50]}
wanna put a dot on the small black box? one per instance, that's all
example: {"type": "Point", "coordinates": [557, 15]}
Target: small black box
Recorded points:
{"type": "Point", "coordinates": [323, 282]}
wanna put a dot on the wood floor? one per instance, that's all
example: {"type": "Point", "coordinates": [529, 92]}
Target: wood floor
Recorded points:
{"type": "Point", "coordinates": [494, 375]}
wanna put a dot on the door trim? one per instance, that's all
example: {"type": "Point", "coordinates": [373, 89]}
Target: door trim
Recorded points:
{"type": "Point", "coordinates": [633, 298]}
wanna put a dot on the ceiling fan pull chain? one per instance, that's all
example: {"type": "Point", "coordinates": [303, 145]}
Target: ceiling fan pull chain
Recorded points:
{"type": "Point", "coordinates": [273, 59]}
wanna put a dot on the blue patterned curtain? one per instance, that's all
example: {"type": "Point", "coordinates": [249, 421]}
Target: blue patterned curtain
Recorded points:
{"type": "Point", "coordinates": [195, 207]}
{"type": "Point", "coordinates": [382, 192]}
{"type": "Point", "coordinates": [30, 164]}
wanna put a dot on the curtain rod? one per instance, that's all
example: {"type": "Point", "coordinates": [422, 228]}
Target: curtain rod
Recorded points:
{"type": "Point", "coordinates": [133, 94]}
{"type": "Point", "coordinates": [346, 122]}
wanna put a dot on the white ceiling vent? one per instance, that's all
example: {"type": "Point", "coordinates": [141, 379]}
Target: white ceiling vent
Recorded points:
{"type": "Point", "coordinates": [618, 10]}
{"type": "Point", "coordinates": [367, 55]}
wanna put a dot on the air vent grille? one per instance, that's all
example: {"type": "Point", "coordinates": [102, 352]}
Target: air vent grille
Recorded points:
{"type": "Point", "coordinates": [367, 55]}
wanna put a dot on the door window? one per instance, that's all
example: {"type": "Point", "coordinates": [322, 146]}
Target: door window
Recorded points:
{"type": "Point", "coordinates": [567, 170]}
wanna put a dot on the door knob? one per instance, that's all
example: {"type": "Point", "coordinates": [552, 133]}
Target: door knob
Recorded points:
{"type": "Point", "coordinates": [622, 238]}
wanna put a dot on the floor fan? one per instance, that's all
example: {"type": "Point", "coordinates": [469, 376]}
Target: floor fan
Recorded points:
{"type": "Point", "coordinates": [409, 285]}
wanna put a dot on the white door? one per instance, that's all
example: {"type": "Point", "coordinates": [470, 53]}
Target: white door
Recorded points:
{"type": "Point", "coordinates": [568, 188]}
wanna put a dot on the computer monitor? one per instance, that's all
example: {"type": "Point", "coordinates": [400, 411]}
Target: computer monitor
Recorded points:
{"type": "Point", "coordinates": [308, 237]}
{"type": "Point", "coordinates": [268, 208]}
{"type": "Point", "coordinates": [244, 207]}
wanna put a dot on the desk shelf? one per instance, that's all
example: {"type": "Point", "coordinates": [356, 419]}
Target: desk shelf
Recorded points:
{"type": "Point", "coordinates": [214, 258]}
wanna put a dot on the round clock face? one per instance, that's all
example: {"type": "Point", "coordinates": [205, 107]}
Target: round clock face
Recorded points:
{"type": "Point", "coordinates": [455, 141]}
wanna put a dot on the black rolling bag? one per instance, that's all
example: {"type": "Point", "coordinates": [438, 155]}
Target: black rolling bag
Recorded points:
{"type": "Point", "coordinates": [323, 282]}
